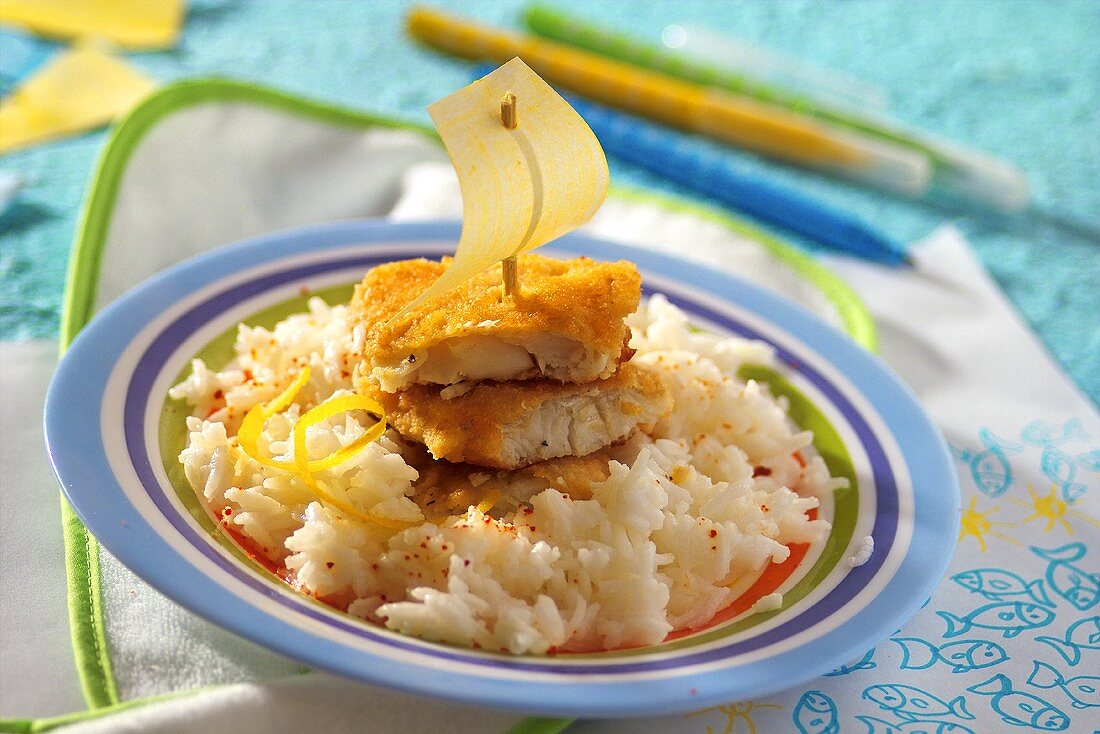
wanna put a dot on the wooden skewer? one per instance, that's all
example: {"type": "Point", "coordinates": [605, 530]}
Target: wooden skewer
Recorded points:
{"type": "Point", "coordinates": [508, 111]}
{"type": "Point", "coordinates": [509, 270]}
{"type": "Point", "coordinates": [509, 267]}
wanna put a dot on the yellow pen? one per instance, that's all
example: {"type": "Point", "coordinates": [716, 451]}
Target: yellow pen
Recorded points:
{"type": "Point", "coordinates": [715, 113]}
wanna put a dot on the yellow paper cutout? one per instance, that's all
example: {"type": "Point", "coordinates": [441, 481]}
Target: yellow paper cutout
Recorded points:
{"type": "Point", "coordinates": [77, 90]}
{"type": "Point", "coordinates": [135, 24]}
{"type": "Point", "coordinates": [520, 188]}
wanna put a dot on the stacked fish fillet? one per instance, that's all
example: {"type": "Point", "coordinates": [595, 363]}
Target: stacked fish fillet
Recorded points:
{"type": "Point", "coordinates": [519, 382]}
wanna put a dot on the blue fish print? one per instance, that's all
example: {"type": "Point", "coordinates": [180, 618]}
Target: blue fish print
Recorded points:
{"type": "Point", "coordinates": [1042, 433]}
{"type": "Point", "coordinates": [989, 468]}
{"type": "Point", "coordinates": [963, 656]}
{"type": "Point", "coordinates": [1077, 586]}
{"type": "Point", "coordinates": [910, 703]}
{"type": "Point", "coordinates": [815, 713]}
{"type": "Point", "coordinates": [1010, 619]}
{"type": "Point", "coordinates": [1057, 465]}
{"type": "Point", "coordinates": [1083, 690]}
{"type": "Point", "coordinates": [1061, 469]}
{"type": "Point", "coordinates": [864, 663]}
{"type": "Point", "coordinates": [878, 726]}
{"type": "Point", "coordinates": [995, 584]}
{"type": "Point", "coordinates": [1019, 708]}
{"type": "Point", "coordinates": [1089, 460]}
{"type": "Point", "coordinates": [1084, 634]}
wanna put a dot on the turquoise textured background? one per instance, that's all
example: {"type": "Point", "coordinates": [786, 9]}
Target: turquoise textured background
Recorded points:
{"type": "Point", "coordinates": [1021, 80]}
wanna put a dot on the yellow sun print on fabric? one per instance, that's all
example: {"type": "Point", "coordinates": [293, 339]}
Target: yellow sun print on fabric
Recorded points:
{"type": "Point", "coordinates": [1052, 509]}
{"type": "Point", "coordinates": [975, 523]}
{"type": "Point", "coordinates": [734, 713]}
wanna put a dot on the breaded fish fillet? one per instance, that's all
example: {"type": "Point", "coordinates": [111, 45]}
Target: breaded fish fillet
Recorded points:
{"type": "Point", "coordinates": [566, 323]}
{"type": "Point", "coordinates": [513, 424]}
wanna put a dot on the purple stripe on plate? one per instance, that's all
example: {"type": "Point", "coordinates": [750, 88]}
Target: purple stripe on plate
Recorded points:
{"type": "Point", "coordinates": [165, 344]}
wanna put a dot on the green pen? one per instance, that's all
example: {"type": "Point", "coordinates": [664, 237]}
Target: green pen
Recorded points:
{"type": "Point", "coordinates": [958, 171]}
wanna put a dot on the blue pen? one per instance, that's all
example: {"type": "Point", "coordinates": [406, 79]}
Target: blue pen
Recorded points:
{"type": "Point", "coordinates": [679, 158]}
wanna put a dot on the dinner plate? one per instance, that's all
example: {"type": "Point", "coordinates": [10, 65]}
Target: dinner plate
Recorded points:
{"type": "Point", "coordinates": [113, 437]}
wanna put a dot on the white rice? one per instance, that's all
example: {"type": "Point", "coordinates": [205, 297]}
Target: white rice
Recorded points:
{"type": "Point", "coordinates": [678, 530]}
{"type": "Point", "coordinates": [866, 548]}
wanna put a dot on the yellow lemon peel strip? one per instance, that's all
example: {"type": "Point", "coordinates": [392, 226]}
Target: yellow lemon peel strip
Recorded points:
{"type": "Point", "coordinates": [521, 187]}
{"type": "Point", "coordinates": [249, 433]}
{"type": "Point", "coordinates": [334, 407]}
{"type": "Point", "coordinates": [489, 499]}
{"type": "Point", "coordinates": [306, 467]}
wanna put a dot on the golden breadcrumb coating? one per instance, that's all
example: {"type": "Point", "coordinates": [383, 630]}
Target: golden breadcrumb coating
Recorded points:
{"type": "Point", "coordinates": [566, 321]}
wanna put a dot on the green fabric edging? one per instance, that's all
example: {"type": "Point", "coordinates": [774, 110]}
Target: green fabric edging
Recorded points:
{"type": "Point", "coordinates": [86, 621]}
{"type": "Point", "coordinates": [541, 726]}
{"type": "Point", "coordinates": [81, 549]}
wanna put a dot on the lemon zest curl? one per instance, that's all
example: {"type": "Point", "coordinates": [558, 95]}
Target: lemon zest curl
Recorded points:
{"type": "Point", "coordinates": [248, 437]}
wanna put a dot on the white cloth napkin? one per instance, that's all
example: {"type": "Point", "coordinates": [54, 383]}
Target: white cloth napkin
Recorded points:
{"type": "Point", "coordinates": [37, 673]}
{"type": "Point", "coordinates": [987, 382]}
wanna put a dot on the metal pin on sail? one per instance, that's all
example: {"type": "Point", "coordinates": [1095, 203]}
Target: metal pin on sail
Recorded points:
{"type": "Point", "coordinates": [508, 266]}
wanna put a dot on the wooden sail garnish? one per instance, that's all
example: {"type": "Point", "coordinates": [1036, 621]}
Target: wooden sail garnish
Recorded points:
{"type": "Point", "coordinates": [521, 186]}
{"type": "Point", "coordinates": [509, 267]}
